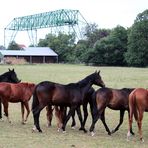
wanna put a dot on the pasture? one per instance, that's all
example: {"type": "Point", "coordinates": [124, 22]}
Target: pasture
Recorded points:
{"type": "Point", "coordinates": [16, 135]}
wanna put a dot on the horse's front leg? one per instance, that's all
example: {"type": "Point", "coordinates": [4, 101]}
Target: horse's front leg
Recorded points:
{"type": "Point", "coordinates": [26, 104]}
{"type": "Point", "coordinates": [120, 122]}
{"type": "Point", "coordinates": [70, 113]}
{"type": "Point", "coordinates": [1, 119]}
{"type": "Point", "coordinates": [22, 111]}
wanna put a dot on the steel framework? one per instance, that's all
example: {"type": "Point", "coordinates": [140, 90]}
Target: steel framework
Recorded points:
{"type": "Point", "coordinates": [63, 20]}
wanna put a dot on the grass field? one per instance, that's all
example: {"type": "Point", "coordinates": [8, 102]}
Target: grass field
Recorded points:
{"type": "Point", "coordinates": [16, 135]}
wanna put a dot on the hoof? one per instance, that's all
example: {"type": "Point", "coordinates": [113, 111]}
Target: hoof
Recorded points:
{"type": "Point", "coordinates": [109, 133]}
{"type": "Point", "coordinates": [59, 129]}
{"type": "Point", "coordinates": [1, 119]}
{"type": "Point", "coordinates": [64, 132]}
{"type": "Point", "coordinates": [92, 134]}
{"type": "Point", "coordinates": [142, 140]}
{"type": "Point", "coordinates": [73, 127]}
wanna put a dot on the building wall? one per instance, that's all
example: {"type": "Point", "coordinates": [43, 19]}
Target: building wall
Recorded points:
{"type": "Point", "coordinates": [37, 59]}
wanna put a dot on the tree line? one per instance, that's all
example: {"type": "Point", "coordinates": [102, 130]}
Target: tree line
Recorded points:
{"type": "Point", "coordinates": [110, 47]}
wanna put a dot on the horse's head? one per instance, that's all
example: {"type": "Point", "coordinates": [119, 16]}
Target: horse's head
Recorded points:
{"type": "Point", "coordinates": [97, 80]}
{"type": "Point", "coordinates": [12, 76]}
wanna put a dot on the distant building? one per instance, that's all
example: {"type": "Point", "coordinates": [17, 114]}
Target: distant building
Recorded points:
{"type": "Point", "coordinates": [32, 54]}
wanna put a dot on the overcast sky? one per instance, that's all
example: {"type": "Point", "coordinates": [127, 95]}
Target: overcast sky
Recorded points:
{"type": "Point", "coordinates": [105, 13]}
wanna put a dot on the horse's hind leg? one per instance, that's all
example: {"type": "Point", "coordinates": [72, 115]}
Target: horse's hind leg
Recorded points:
{"type": "Point", "coordinates": [36, 115]}
{"type": "Point", "coordinates": [1, 119]}
{"type": "Point", "coordinates": [131, 130]}
{"type": "Point", "coordinates": [104, 123]}
{"type": "Point", "coordinates": [49, 115]}
{"type": "Point", "coordinates": [26, 104]}
{"type": "Point", "coordinates": [96, 116]}
{"type": "Point", "coordinates": [120, 122]}
{"type": "Point", "coordinates": [139, 122]}
{"type": "Point", "coordinates": [70, 113]}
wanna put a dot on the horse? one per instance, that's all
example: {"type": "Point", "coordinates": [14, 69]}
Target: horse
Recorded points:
{"type": "Point", "coordinates": [138, 103]}
{"type": "Point", "coordinates": [60, 112]}
{"type": "Point", "coordinates": [10, 77]}
{"type": "Point", "coordinates": [72, 94]}
{"type": "Point", "coordinates": [14, 93]}
{"type": "Point", "coordinates": [115, 99]}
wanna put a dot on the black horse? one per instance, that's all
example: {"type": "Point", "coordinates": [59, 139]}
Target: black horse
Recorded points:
{"type": "Point", "coordinates": [71, 95]}
{"type": "Point", "coordinates": [10, 77]}
{"type": "Point", "coordinates": [116, 99]}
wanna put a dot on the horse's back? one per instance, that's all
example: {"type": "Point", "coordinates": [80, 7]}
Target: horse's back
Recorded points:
{"type": "Point", "coordinates": [139, 97]}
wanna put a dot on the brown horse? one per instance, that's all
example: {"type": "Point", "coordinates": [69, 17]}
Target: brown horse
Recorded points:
{"type": "Point", "coordinates": [20, 92]}
{"type": "Point", "coordinates": [116, 99]}
{"type": "Point", "coordinates": [50, 93]}
{"type": "Point", "coordinates": [138, 103]}
{"type": "Point", "coordinates": [60, 112]}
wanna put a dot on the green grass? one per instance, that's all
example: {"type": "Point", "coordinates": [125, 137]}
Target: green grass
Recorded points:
{"type": "Point", "coordinates": [16, 135]}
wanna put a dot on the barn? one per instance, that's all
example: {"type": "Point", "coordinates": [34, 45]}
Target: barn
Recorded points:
{"type": "Point", "coordinates": [32, 54]}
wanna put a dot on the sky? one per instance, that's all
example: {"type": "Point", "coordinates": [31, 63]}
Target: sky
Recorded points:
{"type": "Point", "coordinates": [105, 13]}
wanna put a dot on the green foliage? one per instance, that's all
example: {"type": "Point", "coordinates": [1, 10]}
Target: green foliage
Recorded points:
{"type": "Point", "coordinates": [137, 54]}
{"type": "Point", "coordinates": [110, 50]}
{"type": "Point", "coordinates": [13, 46]}
{"type": "Point", "coordinates": [62, 44]}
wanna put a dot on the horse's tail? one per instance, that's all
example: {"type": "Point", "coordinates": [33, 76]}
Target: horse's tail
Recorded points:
{"type": "Point", "coordinates": [35, 101]}
{"type": "Point", "coordinates": [133, 106]}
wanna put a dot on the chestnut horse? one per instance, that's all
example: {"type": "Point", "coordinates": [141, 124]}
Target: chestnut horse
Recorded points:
{"type": "Point", "coordinates": [138, 103]}
{"type": "Point", "coordinates": [14, 93]}
{"type": "Point", "coordinates": [10, 77]}
{"type": "Point", "coordinates": [116, 99]}
{"type": "Point", "coordinates": [50, 93]}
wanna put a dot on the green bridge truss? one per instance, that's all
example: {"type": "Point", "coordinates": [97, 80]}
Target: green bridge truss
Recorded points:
{"type": "Point", "coordinates": [68, 21]}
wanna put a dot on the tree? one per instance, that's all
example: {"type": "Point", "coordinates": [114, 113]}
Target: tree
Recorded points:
{"type": "Point", "coordinates": [13, 46]}
{"type": "Point", "coordinates": [110, 50]}
{"type": "Point", "coordinates": [137, 53]}
{"type": "Point", "coordinates": [63, 44]}
{"type": "Point", "coordinates": [94, 34]}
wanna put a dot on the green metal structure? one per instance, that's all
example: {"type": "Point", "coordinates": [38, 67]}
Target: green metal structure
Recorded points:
{"type": "Point", "coordinates": [58, 21]}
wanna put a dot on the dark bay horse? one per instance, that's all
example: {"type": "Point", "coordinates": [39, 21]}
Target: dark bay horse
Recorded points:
{"type": "Point", "coordinates": [70, 95]}
{"type": "Point", "coordinates": [138, 103]}
{"type": "Point", "coordinates": [60, 112]}
{"type": "Point", "coordinates": [10, 77]}
{"type": "Point", "coordinates": [14, 93]}
{"type": "Point", "coordinates": [116, 99]}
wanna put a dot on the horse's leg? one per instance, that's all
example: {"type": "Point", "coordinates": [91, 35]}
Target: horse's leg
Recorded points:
{"type": "Point", "coordinates": [131, 130]}
{"type": "Point", "coordinates": [80, 119]}
{"type": "Point", "coordinates": [49, 115]}
{"type": "Point", "coordinates": [95, 118]}
{"type": "Point", "coordinates": [26, 104]}
{"type": "Point", "coordinates": [36, 114]}
{"type": "Point", "coordinates": [85, 111]}
{"type": "Point", "coordinates": [104, 123]}
{"type": "Point", "coordinates": [59, 116]}
{"type": "Point", "coordinates": [120, 122]}
{"type": "Point", "coordinates": [1, 119]}
{"type": "Point", "coordinates": [139, 123]}
{"type": "Point", "coordinates": [73, 121]}
{"type": "Point", "coordinates": [5, 104]}
{"type": "Point", "coordinates": [70, 113]}
{"type": "Point", "coordinates": [22, 111]}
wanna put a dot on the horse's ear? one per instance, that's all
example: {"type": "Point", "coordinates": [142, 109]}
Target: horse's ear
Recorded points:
{"type": "Point", "coordinates": [9, 69]}
{"type": "Point", "coordinates": [13, 69]}
{"type": "Point", "coordinates": [98, 72]}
